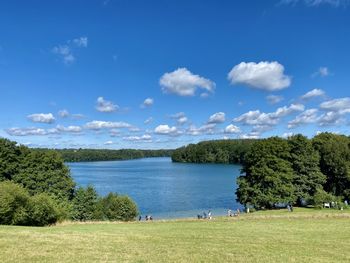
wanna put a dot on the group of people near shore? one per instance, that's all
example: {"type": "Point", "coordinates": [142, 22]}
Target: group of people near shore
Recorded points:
{"type": "Point", "coordinates": [231, 214]}
{"type": "Point", "coordinates": [205, 215]}
{"type": "Point", "coordinates": [147, 218]}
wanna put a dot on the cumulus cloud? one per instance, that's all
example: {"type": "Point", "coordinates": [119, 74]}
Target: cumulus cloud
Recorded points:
{"type": "Point", "coordinates": [103, 105]}
{"type": "Point", "coordinates": [274, 99]}
{"type": "Point", "coordinates": [143, 138]}
{"type": "Point", "coordinates": [287, 134]}
{"type": "Point", "coordinates": [261, 118]}
{"type": "Point", "coordinates": [184, 83]}
{"type": "Point", "coordinates": [108, 143]}
{"type": "Point", "coordinates": [263, 122]}
{"type": "Point", "coordinates": [315, 3]}
{"type": "Point", "coordinates": [98, 125]}
{"type": "Point", "coordinates": [232, 129]}
{"type": "Point", "coordinates": [180, 118]}
{"type": "Point", "coordinates": [42, 117]}
{"type": "Point", "coordinates": [306, 117]}
{"type": "Point", "coordinates": [204, 129]}
{"type": "Point", "coordinates": [342, 105]}
{"type": "Point", "coordinates": [165, 129]}
{"type": "Point", "coordinates": [147, 103]}
{"type": "Point", "coordinates": [312, 94]}
{"type": "Point", "coordinates": [71, 128]}
{"type": "Point", "coordinates": [218, 117]}
{"type": "Point", "coordinates": [31, 131]}
{"type": "Point", "coordinates": [264, 75]}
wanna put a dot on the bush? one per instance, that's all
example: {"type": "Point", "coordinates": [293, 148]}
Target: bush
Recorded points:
{"type": "Point", "coordinates": [18, 208]}
{"type": "Point", "coordinates": [42, 211]}
{"type": "Point", "coordinates": [322, 197]}
{"type": "Point", "coordinates": [118, 208]}
{"type": "Point", "coordinates": [14, 204]}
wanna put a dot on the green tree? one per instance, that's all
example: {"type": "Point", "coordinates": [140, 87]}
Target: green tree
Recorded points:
{"type": "Point", "coordinates": [10, 155]}
{"type": "Point", "coordinates": [334, 162]}
{"type": "Point", "coordinates": [305, 162]}
{"type": "Point", "coordinates": [85, 204]}
{"type": "Point", "coordinates": [119, 208]}
{"type": "Point", "coordinates": [45, 172]}
{"type": "Point", "coordinates": [267, 177]}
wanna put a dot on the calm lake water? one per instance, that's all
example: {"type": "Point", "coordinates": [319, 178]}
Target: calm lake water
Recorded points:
{"type": "Point", "coordinates": [162, 188]}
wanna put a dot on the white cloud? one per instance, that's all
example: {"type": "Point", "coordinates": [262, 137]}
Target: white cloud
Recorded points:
{"type": "Point", "coordinates": [232, 129]}
{"type": "Point", "coordinates": [103, 105]}
{"type": "Point", "coordinates": [204, 129]}
{"type": "Point", "coordinates": [42, 117]}
{"type": "Point", "coordinates": [108, 143]}
{"type": "Point", "coordinates": [71, 128]}
{"type": "Point", "coordinates": [287, 134]}
{"type": "Point", "coordinates": [63, 113]}
{"type": "Point", "coordinates": [143, 138]}
{"type": "Point", "coordinates": [81, 41]}
{"type": "Point", "coordinates": [306, 117]}
{"type": "Point", "coordinates": [263, 75]}
{"type": "Point", "coordinates": [315, 3]}
{"type": "Point", "coordinates": [249, 136]}
{"type": "Point", "coordinates": [183, 83]}
{"type": "Point", "coordinates": [98, 125]}
{"type": "Point", "coordinates": [149, 120]}
{"type": "Point", "coordinates": [30, 131]}
{"type": "Point", "coordinates": [147, 103]}
{"type": "Point", "coordinates": [66, 51]}
{"type": "Point", "coordinates": [263, 122]}
{"type": "Point", "coordinates": [180, 118]}
{"type": "Point", "coordinates": [261, 118]}
{"type": "Point", "coordinates": [164, 129]}
{"type": "Point", "coordinates": [274, 99]}
{"type": "Point", "coordinates": [312, 94]}
{"type": "Point", "coordinates": [341, 104]}
{"type": "Point", "coordinates": [331, 118]}
{"type": "Point", "coordinates": [218, 117]}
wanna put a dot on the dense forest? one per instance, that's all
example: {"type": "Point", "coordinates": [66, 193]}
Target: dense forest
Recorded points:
{"type": "Point", "coordinates": [91, 155]}
{"type": "Point", "coordinates": [297, 171]}
{"type": "Point", "coordinates": [218, 151]}
{"type": "Point", "coordinates": [36, 189]}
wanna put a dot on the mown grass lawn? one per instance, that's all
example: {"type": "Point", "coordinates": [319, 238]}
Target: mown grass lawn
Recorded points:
{"type": "Point", "coordinates": [274, 236]}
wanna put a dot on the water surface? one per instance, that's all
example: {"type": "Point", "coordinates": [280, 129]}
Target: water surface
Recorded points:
{"type": "Point", "coordinates": [162, 188]}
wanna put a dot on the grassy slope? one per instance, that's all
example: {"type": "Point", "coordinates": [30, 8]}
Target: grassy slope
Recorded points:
{"type": "Point", "coordinates": [278, 236]}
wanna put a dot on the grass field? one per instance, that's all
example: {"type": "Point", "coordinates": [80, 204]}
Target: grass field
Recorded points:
{"type": "Point", "coordinates": [274, 236]}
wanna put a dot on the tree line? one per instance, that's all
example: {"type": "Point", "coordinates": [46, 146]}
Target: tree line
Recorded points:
{"type": "Point", "coordinates": [296, 170]}
{"type": "Point", "coordinates": [217, 151]}
{"type": "Point", "coordinates": [36, 188]}
{"type": "Point", "coordinates": [91, 155]}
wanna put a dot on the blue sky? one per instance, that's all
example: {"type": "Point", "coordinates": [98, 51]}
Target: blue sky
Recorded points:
{"type": "Point", "coordinates": [162, 74]}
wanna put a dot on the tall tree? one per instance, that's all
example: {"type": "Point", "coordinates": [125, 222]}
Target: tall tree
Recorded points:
{"type": "Point", "coordinates": [267, 175]}
{"type": "Point", "coordinates": [334, 151]}
{"type": "Point", "coordinates": [305, 162]}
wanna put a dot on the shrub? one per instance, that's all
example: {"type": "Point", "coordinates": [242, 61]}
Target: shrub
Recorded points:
{"type": "Point", "coordinates": [18, 208]}
{"type": "Point", "coordinates": [118, 208]}
{"type": "Point", "coordinates": [42, 211]}
{"type": "Point", "coordinates": [322, 197]}
{"type": "Point", "coordinates": [14, 204]}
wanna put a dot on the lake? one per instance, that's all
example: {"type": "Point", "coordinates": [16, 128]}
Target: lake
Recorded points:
{"type": "Point", "coordinates": [162, 188]}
